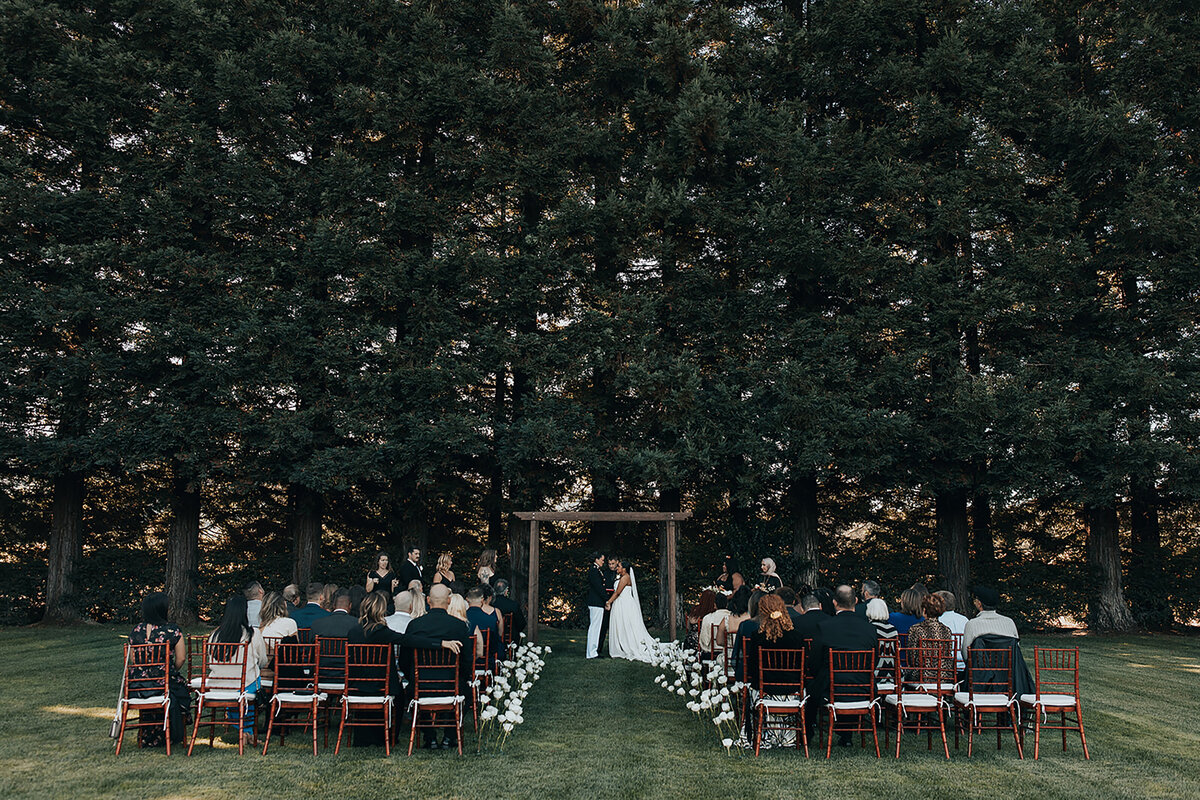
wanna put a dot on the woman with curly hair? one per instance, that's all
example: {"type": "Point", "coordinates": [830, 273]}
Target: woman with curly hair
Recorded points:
{"type": "Point", "coordinates": [774, 631]}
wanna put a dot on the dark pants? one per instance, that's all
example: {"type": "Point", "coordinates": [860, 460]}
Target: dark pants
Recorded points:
{"type": "Point", "coordinates": [603, 631]}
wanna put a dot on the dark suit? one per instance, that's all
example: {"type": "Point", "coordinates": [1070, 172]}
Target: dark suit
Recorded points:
{"type": "Point", "coordinates": [438, 625]}
{"type": "Point", "coordinates": [597, 595]}
{"type": "Point", "coordinates": [610, 578]}
{"type": "Point", "coordinates": [506, 605]}
{"type": "Point", "coordinates": [409, 572]}
{"type": "Point", "coordinates": [307, 614]}
{"type": "Point", "coordinates": [338, 624]}
{"type": "Point", "coordinates": [845, 631]}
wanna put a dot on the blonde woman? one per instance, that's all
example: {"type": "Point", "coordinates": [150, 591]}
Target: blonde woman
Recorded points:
{"type": "Point", "coordinates": [418, 592]}
{"type": "Point", "coordinates": [444, 573]}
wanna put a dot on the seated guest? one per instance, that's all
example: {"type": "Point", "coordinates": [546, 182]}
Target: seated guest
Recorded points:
{"type": "Point", "coordinates": [770, 580]}
{"type": "Point", "coordinates": [254, 594]}
{"type": "Point", "coordinates": [885, 664]}
{"type": "Point", "coordinates": [910, 609]}
{"type": "Point", "coordinates": [952, 619]}
{"type": "Point", "coordinates": [276, 625]}
{"type": "Point", "coordinates": [737, 582]}
{"type": "Point", "coordinates": [775, 632]}
{"type": "Point", "coordinates": [929, 633]}
{"type": "Point", "coordinates": [306, 614]}
{"type": "Point", "coordinates": [506, 605]}
{"type": "Point", "coordinates": [788, 595]}
{"type": "Point", "coordinates": [716, 617]}
{"type": "Point", "coordinates": [403, 604]}
{"type": "Point", "coordinates": [419, 605]}
{"type": "Point", "coordinates": [870, 591]}
{"type": "Point", "coordinates": [457, 607]}
{"type": "Point", "coordinates": [235, 628]}
{"type": "Point", "coordinates": [745, 630]}
{"type": "Point", "coordinates": [824, 596]}
{"type": "Point", "coordinates": [479, 620]}
{"type": "Point", "coordinates": [357, 593]}
{"type": "Point", "coordinates": [371, 628]}
{"type": "Point", "coordinates": [291, 596]}
{"type": "Point", "coordinates": [488, 606]}
{"type": "Point", "coordinates": [327, 596]}
{"type": "Point", "coordinates": [155, 628]}
{"type": "Point", "coordinates": [691, 619]}
{"type": "Point", "coordinates": [843, 631]}
{"type": "Point", "coordinates": [338, 624]}
{"type": "Point", "coordinates": [806, 624]}
{"type": "Point", "coordinates": [988, 620]}
{"type": "Point", "coordinates": [436, 623]}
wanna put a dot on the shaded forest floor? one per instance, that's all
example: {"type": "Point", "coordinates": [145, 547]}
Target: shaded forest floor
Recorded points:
{"type": "Point", "coordinates": [594, 729]}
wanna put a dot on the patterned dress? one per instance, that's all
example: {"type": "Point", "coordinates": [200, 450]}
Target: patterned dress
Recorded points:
{"type": "Point", "coordinates": [168, 634]}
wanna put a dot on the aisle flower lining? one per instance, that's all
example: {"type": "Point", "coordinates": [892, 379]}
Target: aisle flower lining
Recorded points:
{"type": "Point", "coordinates": [686, 676]}
{"type": "Point", "coordinates": [502, 707]}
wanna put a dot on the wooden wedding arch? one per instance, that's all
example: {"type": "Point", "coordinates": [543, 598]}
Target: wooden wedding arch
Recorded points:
{"type": "Point", "coordinates": [668, 544]}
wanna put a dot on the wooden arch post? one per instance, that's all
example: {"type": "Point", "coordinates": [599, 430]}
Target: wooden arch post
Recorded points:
{"type": "Point", "coordinates": [669, 543]}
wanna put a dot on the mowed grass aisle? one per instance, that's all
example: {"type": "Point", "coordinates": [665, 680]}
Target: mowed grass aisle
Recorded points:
{"type": "Point", "coordinates": [593, 729]}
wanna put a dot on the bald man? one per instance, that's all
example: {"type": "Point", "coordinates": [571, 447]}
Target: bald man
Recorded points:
{"type": "Point", "coordinates": [436, 623]}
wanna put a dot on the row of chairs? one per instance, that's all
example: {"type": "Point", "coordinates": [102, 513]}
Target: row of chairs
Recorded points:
{"type": "Point", "coordinates": [919, 694]}
{"type": "Point", "coordinates": [355, 681]}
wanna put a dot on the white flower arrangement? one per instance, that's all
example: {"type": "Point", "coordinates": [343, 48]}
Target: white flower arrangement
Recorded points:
{"type": "Point", "coordinates": [500, 708]}
{"type": "Point", "coordinates": [684, 675]}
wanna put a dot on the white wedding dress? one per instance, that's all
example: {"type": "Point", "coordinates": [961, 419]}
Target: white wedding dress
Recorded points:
{"type": "Point", "coordinates": [627, 634]}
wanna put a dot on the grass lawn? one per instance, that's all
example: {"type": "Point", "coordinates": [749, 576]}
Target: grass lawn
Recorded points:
{"type": "Point", "coordinates": [597, 729]}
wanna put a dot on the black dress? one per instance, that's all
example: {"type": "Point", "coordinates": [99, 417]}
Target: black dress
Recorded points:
{"type": "Point", "coordinates": [181, 697]}
{"type": "Point", "coordinates": [388, 584]}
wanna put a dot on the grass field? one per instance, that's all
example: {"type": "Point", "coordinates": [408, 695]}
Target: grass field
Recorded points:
{"type": "Point", "coordinates": [594, 729]}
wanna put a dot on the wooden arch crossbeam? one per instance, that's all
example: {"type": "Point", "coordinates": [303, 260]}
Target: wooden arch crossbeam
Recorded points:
{"type": "Point", "coordinates": [536, 517]}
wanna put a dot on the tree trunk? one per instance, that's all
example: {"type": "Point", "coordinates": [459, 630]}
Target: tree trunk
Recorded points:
{"type": "Point", "coordinates": [804, 511]}
{"type": "Point", "coordinates": [953, 561]}
{"type": "Point", "coordinates": [183, 548]}
{"type": "Point", "coordinates": [1146, 591]}
{"type": "Point", "coordinates": [668, 500]}
{"type": "Point", "coordinates": [1108, 610]}
{"type": "Point", "coordinates": [981, 532]}
{"type": "Point", "coordinates": [518, 559]}
{"type": "Point", "coordinates": [306, 508]}
{"type": "Point", "coordinates": [64, 550]}
{"type": "Point", "coordinates": [494, 500]}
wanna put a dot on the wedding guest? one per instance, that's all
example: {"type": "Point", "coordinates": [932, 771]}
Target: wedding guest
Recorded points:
{"type": "Point", "coordinates": [772, 630]}
{"type": "Point", "coordinates": [788, 596]}
{"type": "Point", "coordinates": [276, 624]}
{"type": "Point", "coordinates": [291, 596]}
{"type": "Point", "coordinates": [403, 603]}
{"type": "Point", "coordinates": [457, 606]}
{"type": "Point", "coordinates": [910, 609]}
{"type": "Point", "coordinates": [486, 571]}
{"type": "Point", "coordinates": [381, 575]}
{"type": "Point", "coordinates": [988, 620]}
{"type": "Point", "coordinates": [338, 623]}
{"type": "Point", "coordinates": [717, 618]}
{"type": "Point", "coordinates": [311, 611]}
{"type": "Point", "coordinates": [807, 624]}
{"type": "Point", "coordinates": [930, 633]}
{"type": "Point", "coordinates": [444, 574]}
{"type": "Point", "coordinates": [156, 628]}
{"type": "Point", "coordinates": [357, 594]}
{"type": "Point", "coordinates": [506, 605]}
{"type": "Point", "coordinates": [478, 621]}
{"type": "Point", "coordinates": [488, 606]}
{"type": "Point", "coordinates": [869, 591]}
{"type": "Point", "coordinates": [234, 629]}
{"type": "Point", "coordinates": [419, 605]}
{"type": "Point", "coordinates": [877, 614]}
{"type": "Point", "coordinates": [707, 605]}
{"type": "Point", "coordinates": [824, 596]}
{"type": "Point", "coordinates": [956, 622]}
{"type": "Point", "coordinates": [746, 629]}
{"type": "Point", "coordinates": [327, 594]}
{"type": "Point", "coordinates": [410, 568]}
{"type": "Point", "coordinates": [253, 592]}
{"type": "Point", "coordinates": [843, 631]}
{"type": "Point", "coordinates": [739, 613]}
{"type": "Point", "coordinates": [770, 580]}
{"type": "Point", "coordinates": [438, 624]}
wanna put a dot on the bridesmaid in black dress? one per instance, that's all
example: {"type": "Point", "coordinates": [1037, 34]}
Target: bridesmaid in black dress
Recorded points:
{"type": "Point", "coordinates": [383, 579]}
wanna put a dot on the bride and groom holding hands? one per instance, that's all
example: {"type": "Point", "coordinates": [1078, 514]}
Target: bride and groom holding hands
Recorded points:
{"type": "Point", "coordinates": [616, 610]}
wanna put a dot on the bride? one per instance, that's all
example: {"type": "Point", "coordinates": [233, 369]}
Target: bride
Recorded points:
{"type": "Point", "coordinates": [627, 634]}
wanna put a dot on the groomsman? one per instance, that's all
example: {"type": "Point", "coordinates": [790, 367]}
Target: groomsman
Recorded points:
{"type": "Point", "coordinates": [596, 598]}
{"type": "Point", "coordinates": [410, 569]}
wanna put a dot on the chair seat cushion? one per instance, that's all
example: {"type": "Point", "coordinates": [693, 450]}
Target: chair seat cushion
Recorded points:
{"type": "Point", "coordinates": [982, 699]}
{"type": "Point", "coordinates": [156, 700]}
{"type": "Point", "coordinates": [225, 695]}
{"type": "Point", "coordinates": [778, 706]}
{"type": "Point", "coordinates": [912, 700]}
{"type": "Point", "coordinates": [444, 700]}
{"type": "Point", "coordinates": [195, 683]}
{"type": "Point", "coordinates": [367, 699]}
{"type": "Point", "coordinates": [300, 698]}
{"type": "Point", "coordinates": [336, 688]}
{"type": "Point", "coordinates": [1050, 700]}
{"type": "Point", "coordinates": [850, 705]}
{"type": "Point", "coordinates": [933, 687]}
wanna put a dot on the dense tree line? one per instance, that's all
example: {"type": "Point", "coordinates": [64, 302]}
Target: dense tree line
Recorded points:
{"type": "Point", "coordinates": [878, 287]}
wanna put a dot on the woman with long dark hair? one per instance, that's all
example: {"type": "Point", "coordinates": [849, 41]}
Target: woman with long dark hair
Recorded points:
{"type": "Point", "coordinates": [155, 628]}
{"type": "Point", "coordinates": [235, 629]}
{"type": "Point", "coordinates": [707, 605]}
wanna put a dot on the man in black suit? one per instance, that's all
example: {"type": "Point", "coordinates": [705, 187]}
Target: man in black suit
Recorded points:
{"type": "Point", "coordinates": [410, 568]}
{"type": "Point", "coordinates": [596, 598]}
{"type": "Point", "coordinates": [870, 591]}
{"type": "Point", "coordinates": [436, 623]}
{"type": "Point", "coordinates": [788, 595]}
{"type": "Point", "coordinates": [311, 611]}
{"type": "Point", "coordinates": [336, 625]}
{"type": "Point", "coordinates": [506, 605]}
{"type": "Point", "coordinates": [845, 630]}
{"type": "Point", "coordinates": [610, 580]}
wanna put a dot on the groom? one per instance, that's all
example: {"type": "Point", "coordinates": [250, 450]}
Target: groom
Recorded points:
{"type": "Point", "coordinates": [596, 598]}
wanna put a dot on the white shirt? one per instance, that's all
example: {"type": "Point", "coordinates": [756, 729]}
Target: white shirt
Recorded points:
{"type": "Point", "coordinates": [399, 621]}
{"type": "Point", "coordinates": [254, 612]}
{"type": "Point", "coordinates": [717, 617]}
{"type": "Point", "coordinates": [956, 622]}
